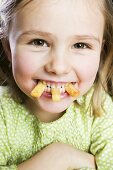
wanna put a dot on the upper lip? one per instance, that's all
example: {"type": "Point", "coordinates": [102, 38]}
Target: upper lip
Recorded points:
{"type": "Point", "coordinates": [55, 82]}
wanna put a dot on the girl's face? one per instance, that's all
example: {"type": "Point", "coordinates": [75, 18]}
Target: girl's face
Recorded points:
{"type": "Point", "coordinates": [58, 42]}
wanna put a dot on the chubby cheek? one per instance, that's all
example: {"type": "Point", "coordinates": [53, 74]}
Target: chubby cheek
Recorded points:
{"type": "Point", "coordinates": [23, 71]}
{"type": "Point", "coordinates": [22, 76]}
{"type": "Point", "coordinates": [86, 71]}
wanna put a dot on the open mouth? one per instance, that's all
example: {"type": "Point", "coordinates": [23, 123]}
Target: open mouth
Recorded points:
{"type": "Point", "coordinates": [51, 85]}
{"type": "Point", "coordinates": [55, 90]}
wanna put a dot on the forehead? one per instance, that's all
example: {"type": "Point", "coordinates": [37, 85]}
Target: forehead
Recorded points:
{"type": "Point", "coordinates": [94, 5]}
{"type": "Point", "coordinates": [87, 5]}
{"type": "Point", "coordinates": [75, 15]}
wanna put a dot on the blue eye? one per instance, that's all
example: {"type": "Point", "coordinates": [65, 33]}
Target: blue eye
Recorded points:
{"type": "Point", "coordinates": [81, 45]}
{"type": "Point", "coordinates": [39, 43]}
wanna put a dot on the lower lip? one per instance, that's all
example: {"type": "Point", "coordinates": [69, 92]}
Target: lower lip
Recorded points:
{"type": "Point", "coordinates": [49, 96]}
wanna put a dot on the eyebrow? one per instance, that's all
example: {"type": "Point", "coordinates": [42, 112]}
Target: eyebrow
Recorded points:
{"type": "Point", "coordinates": [48, 34]}
{"type": "Point", "coordinates": [41, 33]}
{"type": "Point", "coordinates": [92, 37]}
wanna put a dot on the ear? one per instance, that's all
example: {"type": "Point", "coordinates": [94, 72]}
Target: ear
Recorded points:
{"type": "Point", "coordinates": [6, 46]}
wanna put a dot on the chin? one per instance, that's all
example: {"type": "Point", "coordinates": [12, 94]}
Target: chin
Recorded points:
{"type": "Point", "coordinates": [54, 107]}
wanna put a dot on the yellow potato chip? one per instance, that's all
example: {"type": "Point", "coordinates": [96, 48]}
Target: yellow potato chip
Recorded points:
{"type": "Point", "coordinates": [71, 90]}
{"type": "Point", "coordinates": [38, 90]}
{"type": "Point", "coordinates": [55, 94]}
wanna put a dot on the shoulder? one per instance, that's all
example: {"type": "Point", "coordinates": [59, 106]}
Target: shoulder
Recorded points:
{"type": "Point", "coordinates": [103, 125]}
{"type": "Point", "coordinates": [6, 98]}
{"type": "Point", "coordinates": [16, 127]}
{"type": "Point", "coordinates": [7, 104]}
{"type": "Point", "coordinates": [106, 101]}
{"type": "Point", "coordinates": [12, 112]}
{"type": "Point", "coordinates": [12, 108]}
{"type": "Point", "coordinates": [3, 90]}
{"type": "Point", "coordinates": [9, 107]}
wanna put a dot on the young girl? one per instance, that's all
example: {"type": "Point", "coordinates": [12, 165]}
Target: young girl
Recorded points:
{"type": "Point", "coordinates": [65, 50]}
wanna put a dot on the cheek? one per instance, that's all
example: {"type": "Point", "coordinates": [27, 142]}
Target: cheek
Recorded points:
{"type": "Point", "coordinates": [23, 71]}
{"type": "Point", "coordinates": [88, 72]}
{"type": "Point", "coordinates": [25, 66]}
{"type": "Point", "coordinates": [25, 63]}
{"type": "Point", "coordinates": [21, 67]}
{"type": "Point", "coordinates": [87, 68]}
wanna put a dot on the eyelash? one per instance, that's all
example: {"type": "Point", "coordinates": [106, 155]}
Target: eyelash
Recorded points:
{"type": "Point", "coordinates": [39, 43]}
{"type": "Point", "coordinates": [81, 45]}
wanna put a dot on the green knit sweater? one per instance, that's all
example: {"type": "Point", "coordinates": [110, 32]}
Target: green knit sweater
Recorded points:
{"type": "Point", "coordinates": [22, 135]}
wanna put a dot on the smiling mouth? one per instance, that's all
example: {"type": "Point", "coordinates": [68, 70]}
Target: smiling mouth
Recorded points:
{"type": "Point", "coordinates": [55, 89]}
{"type": "Point", "coordinates": [60, 86]}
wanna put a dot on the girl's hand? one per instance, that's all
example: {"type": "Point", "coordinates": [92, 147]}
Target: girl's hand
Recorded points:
{"type": "Point", "coordinates": [58, 156]}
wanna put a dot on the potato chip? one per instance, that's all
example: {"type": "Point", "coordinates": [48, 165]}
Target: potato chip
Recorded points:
{"type": "Point", "coordinates": [55, 94]}
{"type": "Point", "coordinates": [71, 90]}
{"type": "Point", "coordinates": [38, 90]}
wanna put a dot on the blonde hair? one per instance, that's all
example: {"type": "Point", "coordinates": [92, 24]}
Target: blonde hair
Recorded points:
{"type": "Point", "coordinates": [104, 79]}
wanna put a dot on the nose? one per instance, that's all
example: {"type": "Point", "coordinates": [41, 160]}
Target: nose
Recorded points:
{"type": "Point", "coordinates": [58, 64]}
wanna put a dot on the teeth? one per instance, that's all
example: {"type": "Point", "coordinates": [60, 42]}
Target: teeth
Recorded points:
{"type": "Point", "coordinates": [51, 86]}
{"type": "Point", "coordinates": [48, 85]}
{"type": "Point", "coordinates": [61, 87]}
{"type": "Point", "coordinates": [63, 90]}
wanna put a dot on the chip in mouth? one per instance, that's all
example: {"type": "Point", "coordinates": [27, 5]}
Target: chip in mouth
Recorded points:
{"type": "Point", "coordinates": [55, 92]}
{"type": "Point", "coordinates": [72, 90]}
{"type": "Point", "coordinates": [38, 90]}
